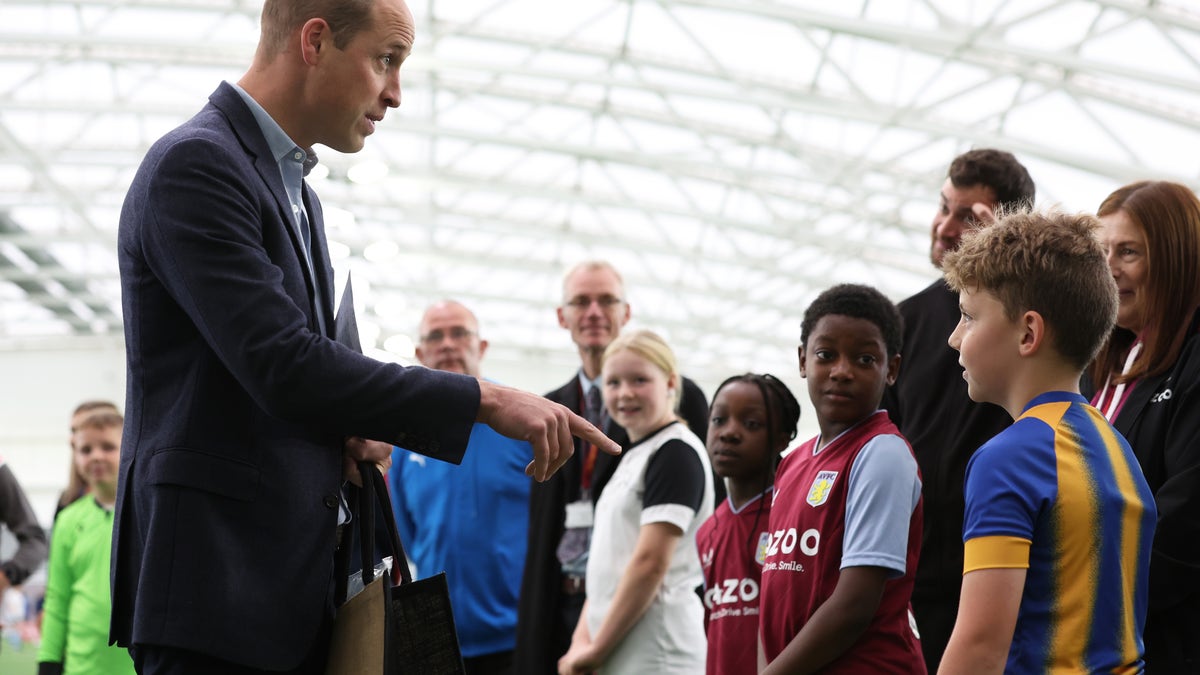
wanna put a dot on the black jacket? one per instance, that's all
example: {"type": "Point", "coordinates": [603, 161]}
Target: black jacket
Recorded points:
{"type": "Point", "coordinates": [541, 636]}
{"type": "Point", "coordinates": [930, 405]}
{"type": "Point", "coordinates": [1161, 421]}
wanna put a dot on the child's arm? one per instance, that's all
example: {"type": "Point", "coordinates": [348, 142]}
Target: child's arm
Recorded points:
{"type": "Point", "coordinates": [635, 592]}
{"type": "Point", "coordinates": [59, 582]}
{"type": "Point", "coordinates": [1005, 485]}
{"type": "Point", "coordinates": [18, 516]}
{"type": "Point", "coordinates": [837, 624]}
{"type": "Point", "coordinates": [581, 640]}
{"type": "Point", "coordinates": [987, 617]}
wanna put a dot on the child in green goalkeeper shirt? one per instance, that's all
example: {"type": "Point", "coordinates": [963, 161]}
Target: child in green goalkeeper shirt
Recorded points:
{"type": "Point", "coordinates": [77, 607]}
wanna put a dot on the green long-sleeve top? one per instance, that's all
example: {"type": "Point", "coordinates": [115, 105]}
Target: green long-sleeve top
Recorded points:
{"type": "Point", "coordinates": [77, 607]}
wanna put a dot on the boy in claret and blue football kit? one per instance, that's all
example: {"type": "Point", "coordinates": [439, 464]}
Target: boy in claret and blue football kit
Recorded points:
{"type": "Point", "coordinates": [845, 526]}
{"type": "Point", "coordinates": [1059, 519]}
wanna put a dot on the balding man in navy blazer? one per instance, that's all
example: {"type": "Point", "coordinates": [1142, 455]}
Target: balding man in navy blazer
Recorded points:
{"type": "Point", "coordinates": [242, 409]}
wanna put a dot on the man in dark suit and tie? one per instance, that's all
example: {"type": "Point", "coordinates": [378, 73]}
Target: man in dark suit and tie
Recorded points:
{"type": "Point", "coordinates": [244, 413]}
{"type": "Point", "coordinates": [594, 309]}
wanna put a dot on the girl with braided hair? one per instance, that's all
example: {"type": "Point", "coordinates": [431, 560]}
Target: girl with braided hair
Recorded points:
{"type": "Point", "coordinates": [753, 419]}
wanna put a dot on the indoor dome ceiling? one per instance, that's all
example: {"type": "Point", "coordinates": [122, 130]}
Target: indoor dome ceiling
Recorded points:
{"type": "Point", "coordinates": [731, 158]}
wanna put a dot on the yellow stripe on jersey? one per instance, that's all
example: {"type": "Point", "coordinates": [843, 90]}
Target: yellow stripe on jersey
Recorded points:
{"type": "Point", "coordinates": [996, 552]}
{"type": "Point", "coordinates": [1076, 572]}
{"type": "Point", "coordinates": [1131, 522]}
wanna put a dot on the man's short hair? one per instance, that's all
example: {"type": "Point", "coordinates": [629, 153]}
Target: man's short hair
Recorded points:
{"type": "Point", "coordinates": [998, 170]}
{"type": "Point", "coordinates": [857, 302]}
{"type": "Point", "coordinates": [101, 418]}
{"type": "Point", "coordinates": [446, 302]}
{"type": "Point", "coordinates": [592, 266]}
{"type": "Point", "coordinates": [281, 17]}
{"type": "Point", "coordinates": [1050, 263]}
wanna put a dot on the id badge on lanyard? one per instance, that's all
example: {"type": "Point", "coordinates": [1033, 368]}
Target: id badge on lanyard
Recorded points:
{"type": "Point", "coordinates": [580, 514]}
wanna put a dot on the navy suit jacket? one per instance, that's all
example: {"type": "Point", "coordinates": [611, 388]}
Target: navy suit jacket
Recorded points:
{"type": "Point", "coordinates": [237, 406]}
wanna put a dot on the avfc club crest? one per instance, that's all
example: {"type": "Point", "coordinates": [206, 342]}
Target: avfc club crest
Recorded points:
{"type": "Point", "coordinates": [760, 551]}
{"type": "Point", "coordinates": [822, 485]}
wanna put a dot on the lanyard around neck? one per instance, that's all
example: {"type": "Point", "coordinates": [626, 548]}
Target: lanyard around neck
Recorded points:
{"type": "Point", "coordinates": [1119, 390]}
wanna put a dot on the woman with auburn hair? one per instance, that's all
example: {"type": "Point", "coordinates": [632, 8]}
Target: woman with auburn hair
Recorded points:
{"type": "Point", "coordinates": [1148, 374]}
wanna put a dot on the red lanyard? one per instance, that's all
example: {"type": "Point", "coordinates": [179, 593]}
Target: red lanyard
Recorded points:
{"type": "Point", "coordinates": [589, 451]}
{"type": "Point", "coordinates": [589, 465]}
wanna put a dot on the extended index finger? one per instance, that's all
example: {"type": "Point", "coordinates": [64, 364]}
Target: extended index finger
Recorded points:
{"type": "Point", "coordinates": [590, 434]}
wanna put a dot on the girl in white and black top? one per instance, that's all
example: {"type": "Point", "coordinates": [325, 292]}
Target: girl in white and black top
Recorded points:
{"type": "Point", "coordinates": [642, 613]}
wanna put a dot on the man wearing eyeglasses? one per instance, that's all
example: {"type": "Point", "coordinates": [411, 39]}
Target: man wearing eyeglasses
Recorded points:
{"type": "Point", "coordinates": [594, 310]}
{"type": "Point", "coordinates": [469, 520]}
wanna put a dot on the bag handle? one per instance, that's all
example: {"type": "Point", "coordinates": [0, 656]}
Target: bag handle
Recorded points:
{"type": "Point", "coordinates": [375, 490]}
{"type": "Point", "coordinates": [366, 528]}
{"type": "Point", "coordinates": [361, 501]}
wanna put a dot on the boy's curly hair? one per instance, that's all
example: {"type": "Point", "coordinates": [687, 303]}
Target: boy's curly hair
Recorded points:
{"type": "Point", "coordinates": [860, 302]}
{"type": "Point", "coordinates": [1047, 262]}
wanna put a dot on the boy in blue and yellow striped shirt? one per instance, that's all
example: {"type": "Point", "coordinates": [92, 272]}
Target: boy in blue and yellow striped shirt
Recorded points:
{"type": "Point", "coordinates": [1059, 518]}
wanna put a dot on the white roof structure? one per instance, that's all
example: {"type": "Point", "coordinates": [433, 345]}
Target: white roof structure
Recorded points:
{"type": "Point", "coordinates": [731, 158]}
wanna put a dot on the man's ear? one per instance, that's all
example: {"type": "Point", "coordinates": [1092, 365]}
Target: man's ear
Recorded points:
{"type": "Point", "coordinates": [800, 353]}
{"type": "Point", "coordinates": [562, 322]}
{"type": "Point", "coordinates": [483, 345]}
{"type": "Point", "coordinates": [1033, 333]}
{"type": "Point", "coordinates": [315, 35]}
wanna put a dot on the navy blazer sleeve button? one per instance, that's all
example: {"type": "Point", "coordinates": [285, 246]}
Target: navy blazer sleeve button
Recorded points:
{"type": "Point", "coordinates": [331, 502]}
